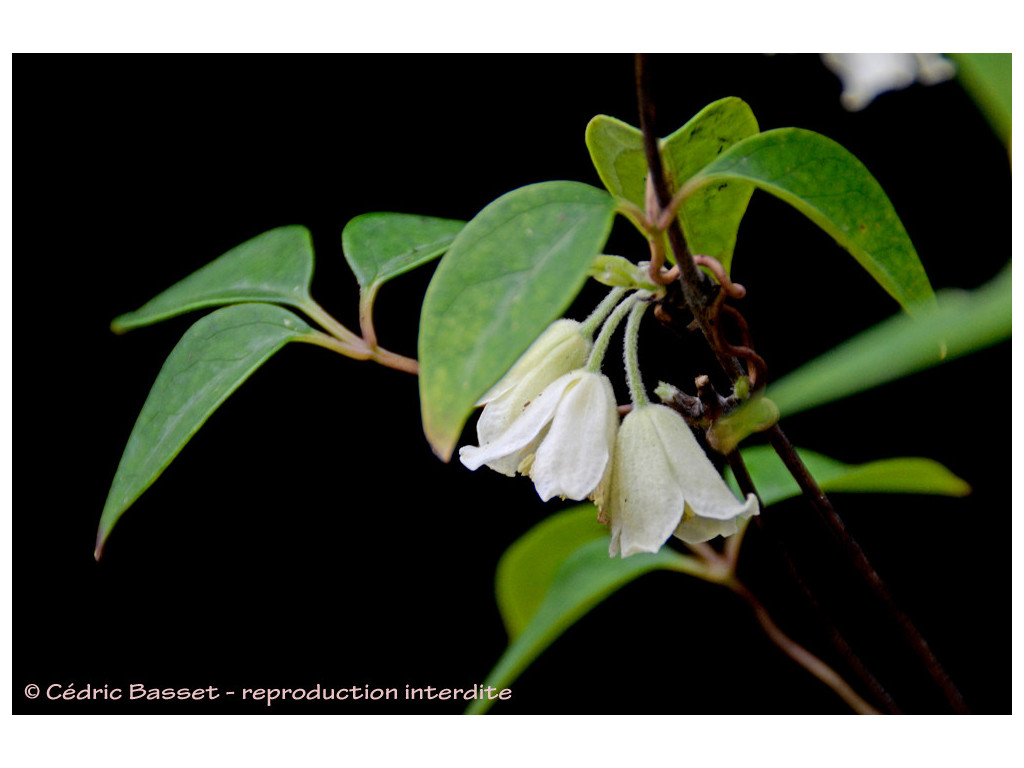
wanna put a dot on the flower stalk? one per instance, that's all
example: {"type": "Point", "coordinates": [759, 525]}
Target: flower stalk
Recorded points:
{"type": "Point", "coordinates": [631, 344]}
{"type": "Point", "coordinates": [605, 336]}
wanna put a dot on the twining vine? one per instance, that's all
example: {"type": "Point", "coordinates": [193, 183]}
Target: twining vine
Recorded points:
{"type": "Point", "coordinates": [490, 334]}
{"type": "Point", "coordinates": [706, 305]}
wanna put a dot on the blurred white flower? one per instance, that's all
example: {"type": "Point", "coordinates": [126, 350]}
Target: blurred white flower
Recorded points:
{"type": "Point", "coordinates": [866, 75]}
{"type": "Point", "coordinates": [561, 348]}
{"type": "Point", "coordinates": [563, 438]}
{"type": "Point", "coordinates": [662, 483]}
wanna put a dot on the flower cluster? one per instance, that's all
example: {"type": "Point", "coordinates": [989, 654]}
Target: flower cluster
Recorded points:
{"type": "Point", "coordinates": [554, 417]}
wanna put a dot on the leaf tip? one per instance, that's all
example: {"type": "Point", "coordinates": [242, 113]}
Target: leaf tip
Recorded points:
{"type": "Point", "coordinates": [442, 446]}
{"type": "Point", "coordinates": [107, 522]}
{"type": "Point", "coordinates": [594, 122]}
{"type": "Point", "coordinates": [963, 488]}
{"type": "Point", "coordinates": [101, 539]}
{"type": "Point", "coordinates": [441, 430]}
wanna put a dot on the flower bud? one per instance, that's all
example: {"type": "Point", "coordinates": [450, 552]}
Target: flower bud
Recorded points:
{"type": "Point", "coordinates": [561, 348]}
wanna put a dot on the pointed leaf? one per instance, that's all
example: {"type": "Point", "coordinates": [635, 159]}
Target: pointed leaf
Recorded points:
{"type": "Point", "coordinates": [276, 266]}
{"type": "Point", "coordinates": [961, 322]}
{"type": "Point", "coordinates": [511, 271]}
{"type": "Point", "coordinates": [380, 246]}
{"type": "Point", "coordinates": [585, 577]}
{"type": "Point", "coordinates": [833, 189]}
{"type": "Point", "coordinates": [210, 362]}
{"type": "Point", "coordinates": [900, 475]}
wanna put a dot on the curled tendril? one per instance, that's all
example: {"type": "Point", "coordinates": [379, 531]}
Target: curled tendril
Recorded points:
{"type": "Point", "coordinates": [756, 367]}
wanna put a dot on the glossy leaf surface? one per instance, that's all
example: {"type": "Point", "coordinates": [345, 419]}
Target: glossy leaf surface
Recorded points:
{"type": "Point", "coordinates": [900, 475]}
{"type": "Point", "coordinates": [511, 271]}
{"type": "Point", "coordinates": [833, 189]}
{"type": "Point", "coordinates": [276, 267]}
{"type": "Point", "coordinates": [210, 362]}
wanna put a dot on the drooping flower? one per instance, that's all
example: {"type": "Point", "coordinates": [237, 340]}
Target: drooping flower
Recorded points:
{"type": "Point", "coordinates": [561, 348]}
{"type": "Point", "coordinates": [662, 483]}
{"type": "Point", "coordinates": [563, 438]}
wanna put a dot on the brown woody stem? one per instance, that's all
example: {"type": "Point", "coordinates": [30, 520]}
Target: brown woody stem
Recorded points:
{"type": "Point", "coordinates": [821, 504]}
{"type": "Point", "coordinates": [698, 302]}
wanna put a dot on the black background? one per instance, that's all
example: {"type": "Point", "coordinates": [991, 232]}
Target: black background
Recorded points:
{"type": "Point", "coordinates": [307, 534]}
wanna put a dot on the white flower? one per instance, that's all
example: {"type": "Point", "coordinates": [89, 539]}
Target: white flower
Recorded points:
{"type": "Point", "coordinates": [662, 483]}
{"type": "Point", "coordinates": [866, 75]}
{"type": "Point", "coordinates": [563, 437]}
{"type": "Point", "coordinates": [561, 348]}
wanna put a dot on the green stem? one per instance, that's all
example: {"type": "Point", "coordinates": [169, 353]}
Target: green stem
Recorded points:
{"type": "Point", "coordinates": [635, 214]}
{"type": "Point", "coordinates": [603, 338]}
{"type": "Point", "coordinates": [343, 341]}
{"type": "Point", "coordinates": [589, 326]}
{"type": "Point", "coordinates": [637, 393]}
{"type": "Point", "coordinates": [669, 213]}
{"type": "Point", "coordinates": [367, 296]}
{"type": "Point", "coordinates": [356, 351]}
{"type": "Point", "coordinates": [329, 324]}
{"type": "Point", "coordinates": [393, 360]}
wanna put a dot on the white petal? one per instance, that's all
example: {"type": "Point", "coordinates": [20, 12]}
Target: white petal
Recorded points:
{"type": "Point", "coordinates": [645, 502]}
{"type": "Point", "coordinates": [934, 68]}
{"type": "Point", "coordinates": [499, 414]}
{"type": "Point", "coordinates": [574, 455]}
{"type": "Point", "coordinates": [704, 489]}
{"type": "Point", "coordinates": [694, 530]}
{"type": "Point", "coordinates": [561, 348]}
{"type": "Point", "coordinates": [523, 430]}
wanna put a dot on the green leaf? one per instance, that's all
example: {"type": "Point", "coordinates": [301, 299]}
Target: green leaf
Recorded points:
{"type": "Point", "coordinates": [527, 569]}
{"type": "Point", "coordinates": [512, 270]}
{"type": "Point", "coordinates": [210, 362]}
{"type": "Point", "coordinates": [617, 151]}
{"type": "Point", "coordinates": [833, 189]}
{"type": "Point", "coordinates": [711, 216]}
{"type": "Point", "coordinates": [584, 577]}
{"type": "Point", "coordinates": [959, 323]}
{"type": "Point", "coordinates": [900, 475]}
{"type": "Point", "coordinates": [380, 246]}
{"type": "Point", "coordinates": [987, 77]}
{"type": "Point", "coordinates": [276, 267]}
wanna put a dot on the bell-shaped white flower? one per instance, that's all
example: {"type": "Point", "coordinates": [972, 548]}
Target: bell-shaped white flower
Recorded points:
{"type": "Point", "coordinates": [563, 438]}
{"type": "Point", "coordinates": [662, 483]}
{"type": "Point", "coordinates": [561, 348]}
